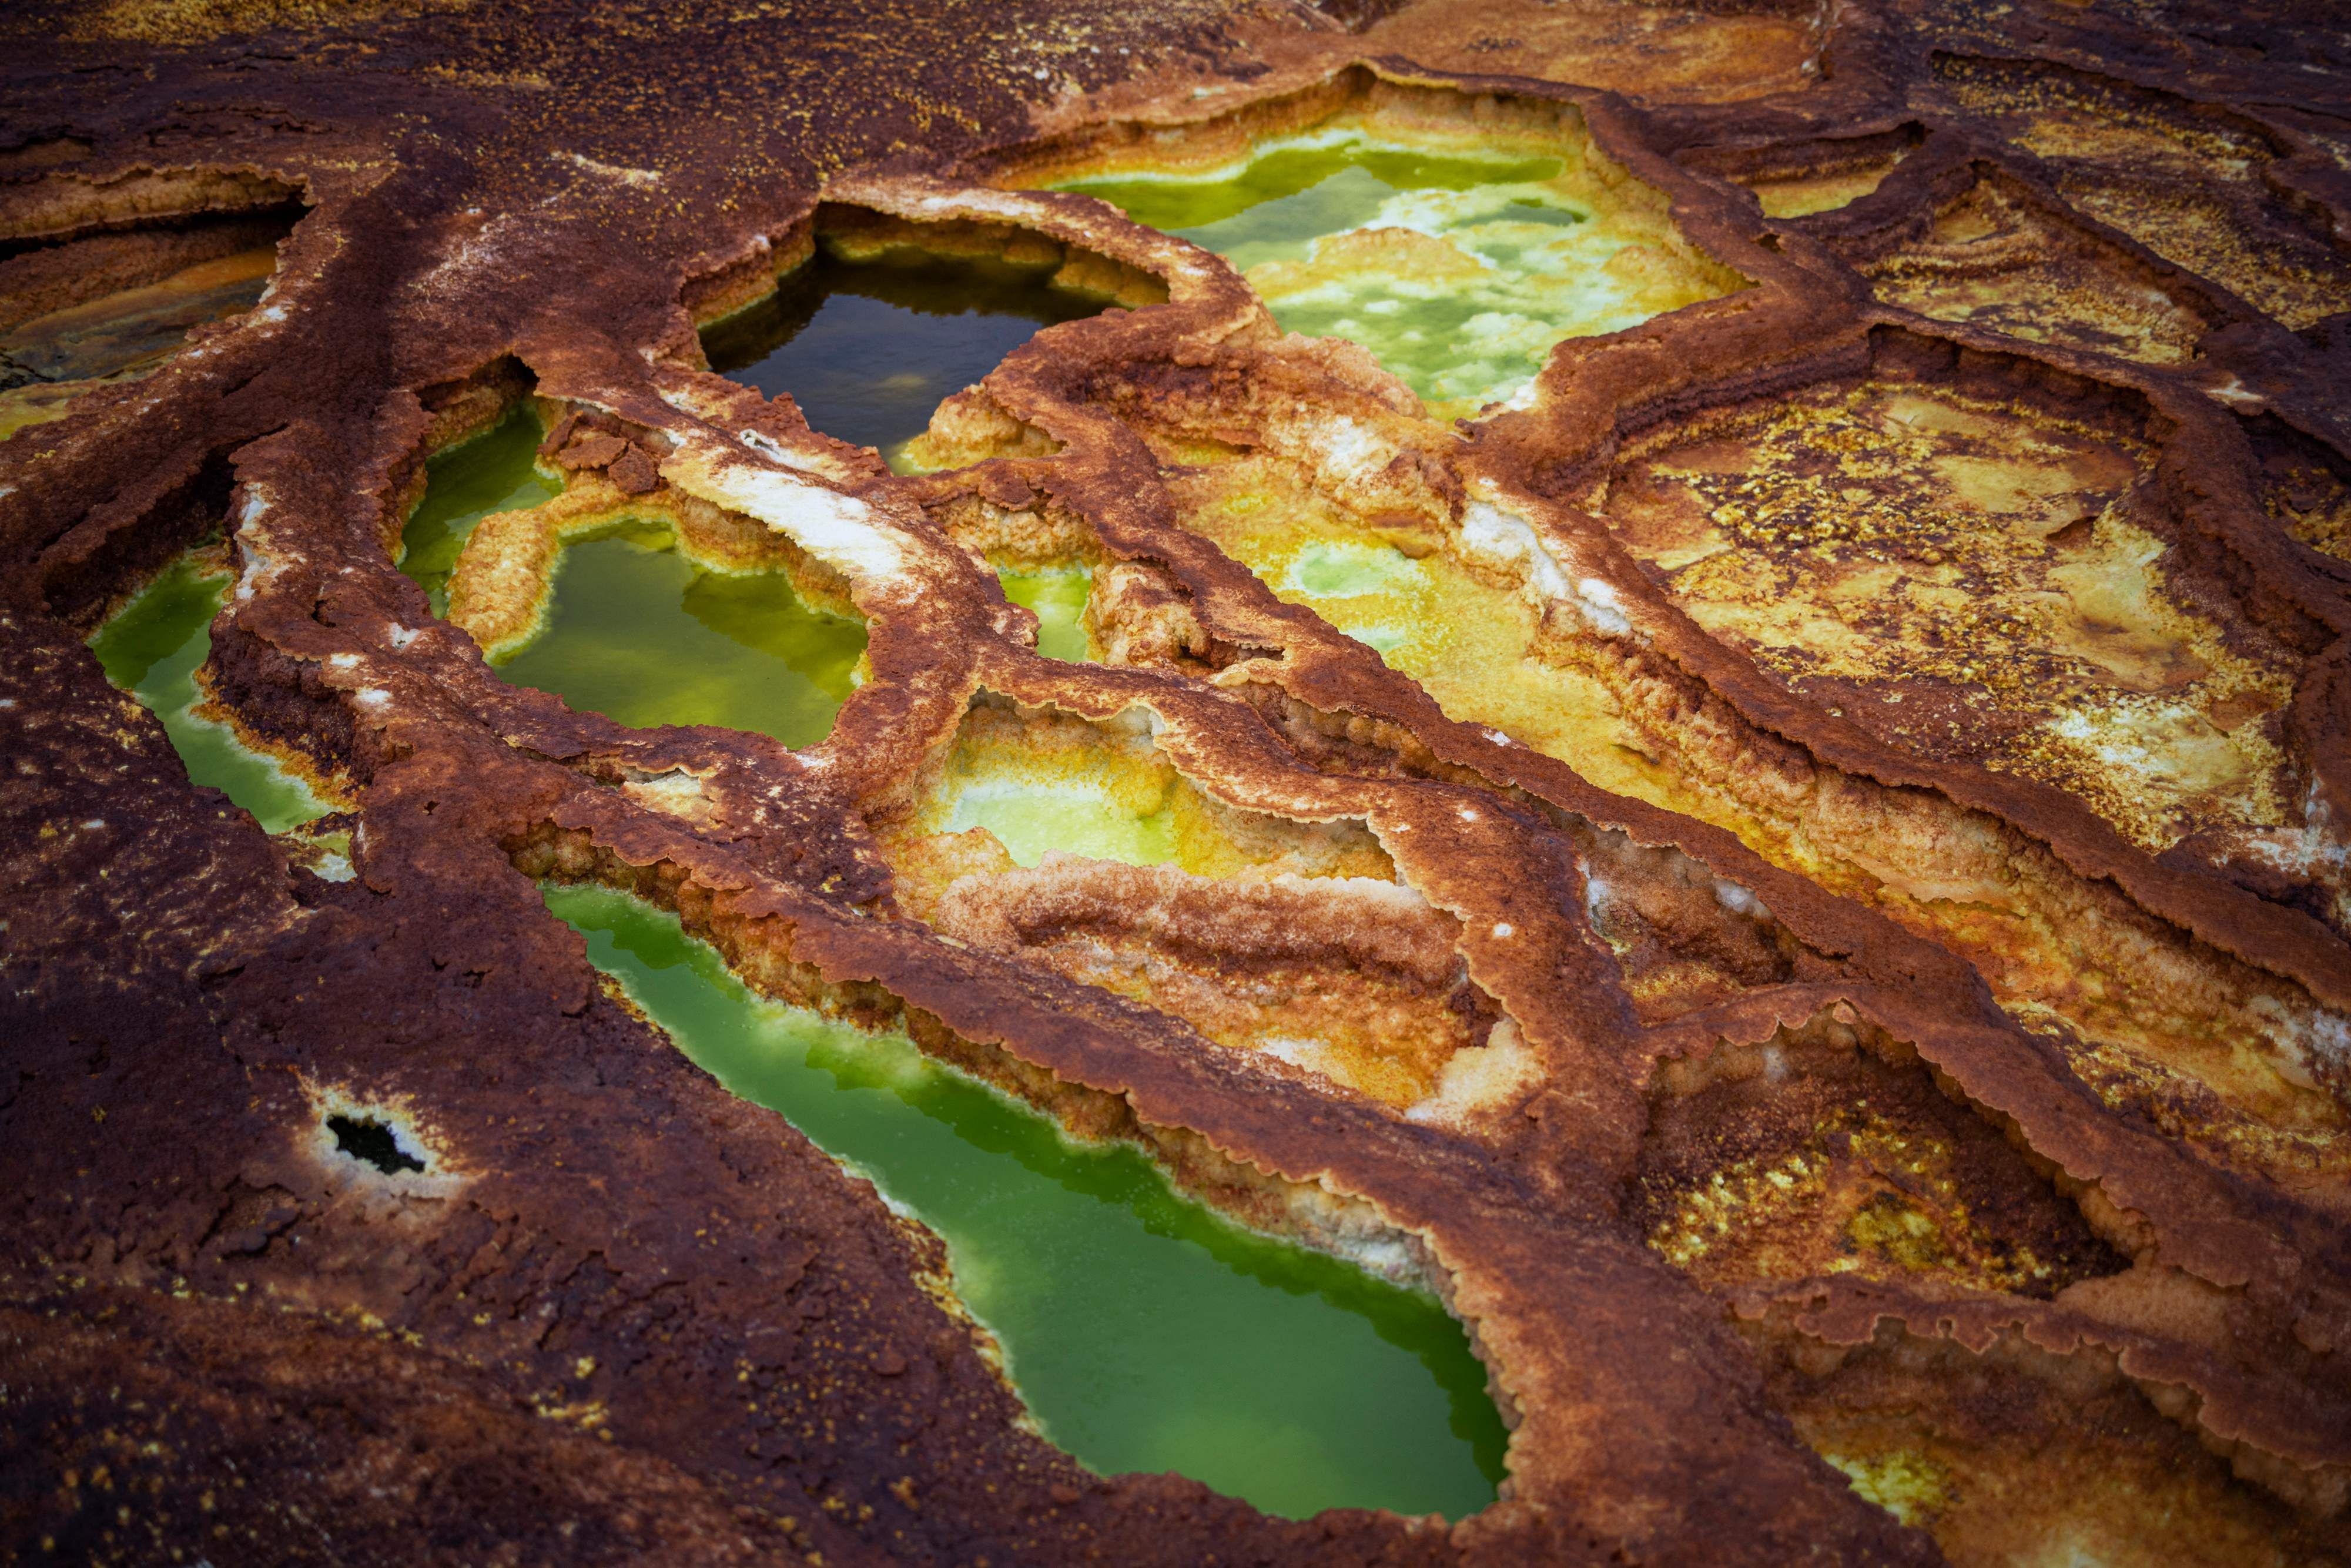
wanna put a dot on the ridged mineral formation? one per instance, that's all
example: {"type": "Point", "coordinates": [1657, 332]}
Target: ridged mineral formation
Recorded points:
{"type": "Point", "coordinates": [1714, 722]}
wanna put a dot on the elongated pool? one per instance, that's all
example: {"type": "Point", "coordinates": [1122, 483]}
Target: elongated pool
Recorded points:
{"type": "Point", "coordinates": [153, 648]}
{"type": "Point", "coordinates": [1143, 1333]}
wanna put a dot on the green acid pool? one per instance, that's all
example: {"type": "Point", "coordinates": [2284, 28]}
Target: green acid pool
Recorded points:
{"type": "Point", "coordinates": [1143, 1333]}
{"type": "Point", "coordinates": [1058, 598]}
{"type": "Point", "coordinates": [154, 646]}
{"type": "Point", "coordinates": [636, 630]}
{"type": "Point", "coordinates": [1459, 269]}
{"type": "Point", "coordinates": [642, 636]}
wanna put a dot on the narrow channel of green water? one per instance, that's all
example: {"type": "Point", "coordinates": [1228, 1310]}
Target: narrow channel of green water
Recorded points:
{"type": "Point", "coordinates": [154, 646]}
{"type": "Point", "coordinates": [1143, 1333]}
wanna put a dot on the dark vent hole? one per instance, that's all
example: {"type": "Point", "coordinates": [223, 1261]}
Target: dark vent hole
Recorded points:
{"type": "Point", "coordinates": [373, 1141]}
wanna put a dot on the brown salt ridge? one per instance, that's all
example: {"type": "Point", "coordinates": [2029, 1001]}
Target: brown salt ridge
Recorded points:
{"type": "Point", "coordinates": [216, 1335]}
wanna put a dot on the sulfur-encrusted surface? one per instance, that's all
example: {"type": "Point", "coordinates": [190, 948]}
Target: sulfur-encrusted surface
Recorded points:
{"type": "Point", "coordinates": [1792, 867]}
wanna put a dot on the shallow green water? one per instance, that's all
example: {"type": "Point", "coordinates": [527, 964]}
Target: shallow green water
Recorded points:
{"type": "Point", "coordinates": [493, 472]}
{"type": "Point", "coordinates": [1289, 195]}
{"type": "Point", "coordinates": [1143, 1333]}
{"type": "Point", "coordinates": [1345, 568]}
{"type": "Point", "coordinates": [1058, 598]}
{"type": "Point", "coordinates": [869, 349]}
{"type": "Point", "coordinates": [642, 636]}
{"type": "Point", "coordinates": [153, 648]}
{"type": "Point", "coordinates": [1357, 587]}
{"type": "Point", "coordinates": [1029, 819]}
{"type": "Point", "coordinates": [1499, 263]}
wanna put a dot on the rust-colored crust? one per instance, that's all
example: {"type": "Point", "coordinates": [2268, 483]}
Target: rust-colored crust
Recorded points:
{"type": "Point", "coordinates": [674, 1326]}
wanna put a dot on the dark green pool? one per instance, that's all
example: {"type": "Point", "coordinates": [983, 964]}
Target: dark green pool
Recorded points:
{"type": "Point", "coordinates": [868, 350]}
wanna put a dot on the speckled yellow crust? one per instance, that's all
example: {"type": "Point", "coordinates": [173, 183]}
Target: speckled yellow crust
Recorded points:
{"type": "Point", "coordinates": [1968, 575]}
{"type": "Point", "coordinates": [2191, 186]}
{"type": "Point", "coordinates": [1792, 870]}
{"type": "Point", "coordinates": [1991, 255]}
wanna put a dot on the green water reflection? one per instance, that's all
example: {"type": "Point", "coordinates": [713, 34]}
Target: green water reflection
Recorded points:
{"type": "Point", "coordinates": [153, 648]}
{"type": "Point", "coordinates": [642, 636]}
{"type": "Point", "coordinates": [1143, 1333]}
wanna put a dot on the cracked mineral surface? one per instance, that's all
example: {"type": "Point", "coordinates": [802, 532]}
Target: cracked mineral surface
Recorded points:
{"type": "Point", "coordinates": [1377, 781]}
